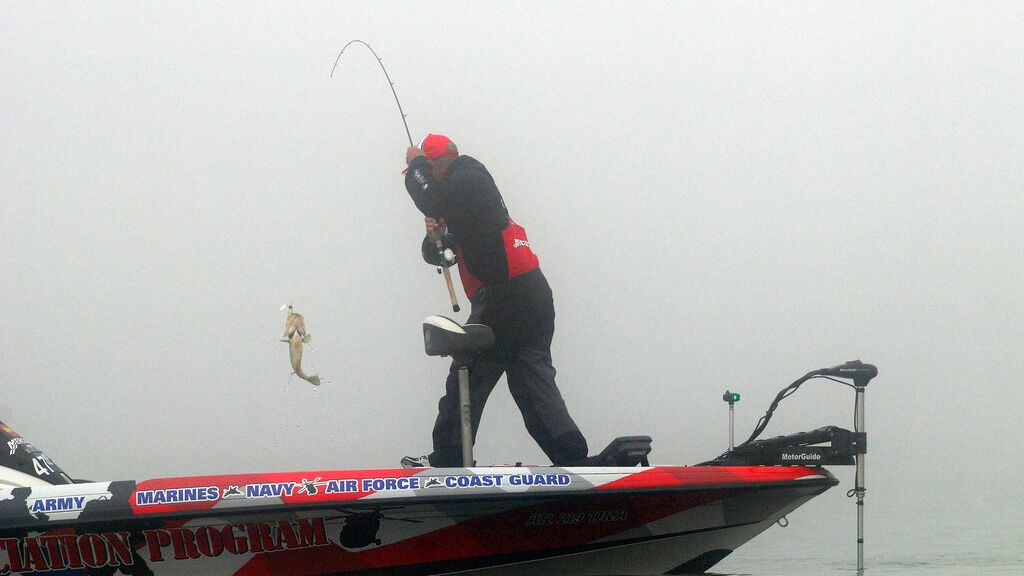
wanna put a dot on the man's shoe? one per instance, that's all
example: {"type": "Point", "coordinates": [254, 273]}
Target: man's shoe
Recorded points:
{"type": "Point", "coordinates": [412, 462]}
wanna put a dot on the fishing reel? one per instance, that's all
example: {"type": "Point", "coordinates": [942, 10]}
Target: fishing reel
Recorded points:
{"type": "Point", "coordinates": [447, 255]}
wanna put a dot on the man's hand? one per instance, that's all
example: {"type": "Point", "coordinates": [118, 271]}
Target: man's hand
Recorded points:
{"type": "Point", "coordinates": [436, 230]}
{"type": "Point", "coordinates": [412, 152]}
{"type": "Point", "coordinates": [434, 226]}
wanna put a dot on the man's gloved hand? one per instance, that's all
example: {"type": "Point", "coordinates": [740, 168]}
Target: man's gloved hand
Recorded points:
{"type": "Point", "coordinates": [436, 229]}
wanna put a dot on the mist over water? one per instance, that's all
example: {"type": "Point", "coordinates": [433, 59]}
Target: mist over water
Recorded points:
{"type": "Point", "coordinates": [936, 536]}
{"type": "Point", "coordinates": [722, 196]}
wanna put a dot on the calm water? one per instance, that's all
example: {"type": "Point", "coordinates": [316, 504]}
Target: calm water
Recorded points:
{"type": "Point", "coordinates": [930, 532]}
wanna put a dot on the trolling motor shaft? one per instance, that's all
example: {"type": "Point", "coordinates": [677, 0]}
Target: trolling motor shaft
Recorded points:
{"type": "Point", "coordinates": [861, 374]}
{"type": "Point", "coordinates": [858, 426]}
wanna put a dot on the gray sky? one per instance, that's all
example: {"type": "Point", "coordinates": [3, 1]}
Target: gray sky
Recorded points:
{"type": "Point", "coordinates": [722, 196]}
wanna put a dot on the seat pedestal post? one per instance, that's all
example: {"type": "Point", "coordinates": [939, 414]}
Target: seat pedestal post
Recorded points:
{"type": "Point", "coordinates": [464, 413]}
{"type": "Point", "coordinates": [446, 337]}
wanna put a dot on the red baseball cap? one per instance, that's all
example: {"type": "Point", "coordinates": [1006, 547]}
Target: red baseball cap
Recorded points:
{"type": "Point", "coordinates": [435, 146]}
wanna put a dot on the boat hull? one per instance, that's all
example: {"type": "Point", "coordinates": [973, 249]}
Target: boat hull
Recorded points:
{"type": "Point", "coordinates": [492, 521]}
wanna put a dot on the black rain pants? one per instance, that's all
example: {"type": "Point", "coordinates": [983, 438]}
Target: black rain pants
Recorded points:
{"type": "Point", "coordinates": [521, 312]}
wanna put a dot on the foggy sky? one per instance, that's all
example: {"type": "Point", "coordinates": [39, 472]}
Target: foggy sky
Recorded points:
{"type": "Point", "coordinates": [721, 195]}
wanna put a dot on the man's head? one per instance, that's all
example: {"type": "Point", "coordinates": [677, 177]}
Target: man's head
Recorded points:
{"type": "Point", "coordinates": [441, 151]}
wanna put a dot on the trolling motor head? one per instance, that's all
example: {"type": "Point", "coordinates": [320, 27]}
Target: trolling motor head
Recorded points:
{"type": "Point", "coordinates": [855, 370]}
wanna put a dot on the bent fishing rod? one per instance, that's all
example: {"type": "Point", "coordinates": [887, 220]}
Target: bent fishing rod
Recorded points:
{"type": "Point", "coordinates": [433, 234]}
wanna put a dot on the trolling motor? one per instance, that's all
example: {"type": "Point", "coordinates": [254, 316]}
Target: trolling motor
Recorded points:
{"type": "Point", "coordinates": [804, 448]}
{"type": "Point", "coordinates": [444, 337]}
{"type": "Point", "coordinates": [829, 445]}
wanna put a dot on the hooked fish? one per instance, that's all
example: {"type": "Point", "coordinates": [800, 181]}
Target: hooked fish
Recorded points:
{"type": "Point", "coordinates": [295, 335]}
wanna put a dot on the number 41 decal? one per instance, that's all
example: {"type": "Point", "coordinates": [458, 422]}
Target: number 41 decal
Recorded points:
{"type": "Point", "coordinates": [43, 465]}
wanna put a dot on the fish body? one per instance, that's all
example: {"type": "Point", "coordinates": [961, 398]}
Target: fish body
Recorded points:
{"type": "Point", "coordinates": [296, 337]}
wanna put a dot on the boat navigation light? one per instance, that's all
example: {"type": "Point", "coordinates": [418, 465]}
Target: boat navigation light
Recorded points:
{"type": "Point", "coordinates": [732, 398]}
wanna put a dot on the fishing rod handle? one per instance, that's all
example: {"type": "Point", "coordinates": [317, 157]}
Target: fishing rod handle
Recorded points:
{"type": "Point", "coordinates": [444, 270]}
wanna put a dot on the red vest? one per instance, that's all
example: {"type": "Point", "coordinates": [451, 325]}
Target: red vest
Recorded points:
{"type": "Point", "coordinates": [518, 255]}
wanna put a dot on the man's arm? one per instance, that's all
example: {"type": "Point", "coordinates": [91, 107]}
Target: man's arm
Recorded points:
{"type": "Point", "coordinates": [473, 196]}
{"type": "Point", "coordinates": [426, 192]}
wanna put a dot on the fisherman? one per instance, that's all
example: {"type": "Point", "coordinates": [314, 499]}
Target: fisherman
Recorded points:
{"type": "Point", "coordinates": [507, 292]}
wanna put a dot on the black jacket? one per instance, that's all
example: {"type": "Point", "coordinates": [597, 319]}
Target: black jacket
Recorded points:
{"type": "Point", "coordinates": [473, 209]}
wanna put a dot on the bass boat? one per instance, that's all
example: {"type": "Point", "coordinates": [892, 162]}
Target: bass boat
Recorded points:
{"type": "Point", "coordinates": [616, 514]}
